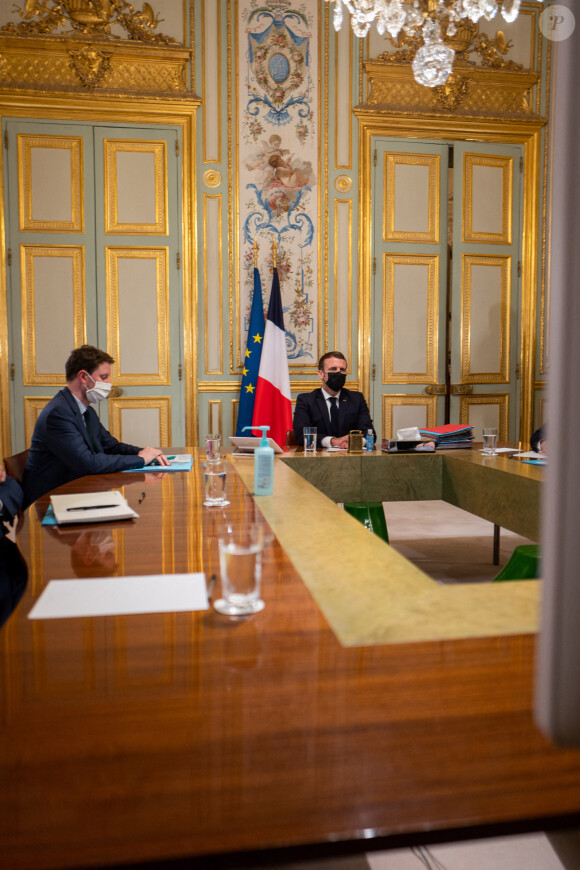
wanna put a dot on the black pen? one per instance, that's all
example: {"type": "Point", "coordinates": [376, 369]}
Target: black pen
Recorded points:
{"type": "Point", "coordinates": [93, 507]}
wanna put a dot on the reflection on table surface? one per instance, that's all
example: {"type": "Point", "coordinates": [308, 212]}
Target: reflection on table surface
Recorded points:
{"type": "Point", "coordinates": [162, 736]}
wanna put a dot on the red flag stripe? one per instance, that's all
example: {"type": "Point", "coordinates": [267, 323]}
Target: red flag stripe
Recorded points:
{"type": "Point", "coordinates": [273, 409]}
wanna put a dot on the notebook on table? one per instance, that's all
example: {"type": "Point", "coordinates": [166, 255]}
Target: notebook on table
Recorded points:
{"type": "Point", "coordinates": [91, 507]}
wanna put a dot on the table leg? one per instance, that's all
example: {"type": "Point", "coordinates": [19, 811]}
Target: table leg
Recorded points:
{"type": "Point", "coordinates": [496, 529]}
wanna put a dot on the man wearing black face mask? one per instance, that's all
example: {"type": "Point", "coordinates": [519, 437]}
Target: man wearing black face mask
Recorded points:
{"type": "Point", "coordinates": [69, 440]}
{"type": "Point", "coordinates": [334, 410]}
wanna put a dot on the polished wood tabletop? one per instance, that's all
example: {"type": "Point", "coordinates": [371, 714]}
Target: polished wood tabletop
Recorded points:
{"type": "Point", "coordinates": [159, 737]}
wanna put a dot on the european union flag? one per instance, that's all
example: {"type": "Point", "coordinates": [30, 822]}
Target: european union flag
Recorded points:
{"type": "Point", "coordinates": [252, 358]}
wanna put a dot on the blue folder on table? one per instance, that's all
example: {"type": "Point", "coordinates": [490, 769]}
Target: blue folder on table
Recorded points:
{"type": "Point", "coordinates": [183, 462]}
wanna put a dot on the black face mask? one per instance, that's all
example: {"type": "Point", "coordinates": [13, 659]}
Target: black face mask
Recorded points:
{"type": "Point", "coordinates": [336, 381]}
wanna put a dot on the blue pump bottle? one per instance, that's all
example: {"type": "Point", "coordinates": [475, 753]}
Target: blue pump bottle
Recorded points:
{"type": "Point", "coordinates": [263, 464]}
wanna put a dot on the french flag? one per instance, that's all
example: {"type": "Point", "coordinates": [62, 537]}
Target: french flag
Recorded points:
{"type": "Point", "coordinates": [273, 404]}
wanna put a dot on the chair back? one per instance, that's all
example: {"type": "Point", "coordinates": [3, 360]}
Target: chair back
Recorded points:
{"type": "Point", "coordinates": [16, 464]}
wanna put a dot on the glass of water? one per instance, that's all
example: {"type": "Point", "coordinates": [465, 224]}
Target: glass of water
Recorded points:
{"type": "Point", "coordinates": [489, 441]}
{"type": "Point", "coordinates": [215, 484]}
{"type": "Point", "coordinates": [212, 447]}
{"type": "Point", "coordinates": [309, 439]}
{"type": "Point", "coordinates": [240, 552]}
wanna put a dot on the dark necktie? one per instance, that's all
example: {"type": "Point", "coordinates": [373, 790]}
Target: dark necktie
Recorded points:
{"type": "Point", "coordinates": [89, 426]}
{"type": "Point", "coordinates": [333, 417]}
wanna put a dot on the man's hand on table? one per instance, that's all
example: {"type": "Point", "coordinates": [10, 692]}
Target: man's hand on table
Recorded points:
{"type": "Point", "coordinates": [153, 455]}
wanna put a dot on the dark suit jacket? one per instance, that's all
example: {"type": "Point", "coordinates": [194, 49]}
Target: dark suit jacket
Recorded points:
{"type": "Point", "coordinates": [11, 497]}
{"type": "Point", "coordinates": [60, 449]}
{"type": "Point", "coordinates": [539, 435]}
{"type": "Point", "coordinates": [312, 410]}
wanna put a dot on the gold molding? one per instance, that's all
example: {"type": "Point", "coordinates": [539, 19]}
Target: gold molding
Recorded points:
{"type": "Point", "coordinates": [432, 162]}
{"type": "Point", "coordinates": [338, 205]}
{"type": "Point", "coordinates": [158, 149]}
{"type": "Point", "coordinates": [500, 399]}
{"type": "Point", "coordinates": [343, 183]}
{"type": "Point", "coordinates": [207, 289]}
{"type": "Point", "coordinates": [506, 164]}
{"type": "Point", "coordinates": [72, 144]}
{"type": "Point", "coordinates": [431, 261]}
{"type": "Point", "coordinates": [543, 409]}
{"type": "Point", "coordinates": [479, 91]}
{"type": "Point", "coordinates": [33, 405]}
{"type": "Point", "coordinates": [393, 400]}
{"type": "Point", "coordinates": [217, 94]}
{"type": "Point", "coordinates": [502, 376]}
{"type": "Point", "coordinates": [212, 178]}
{"type": "Point", "coordinates": [159, 256]}
{"type": "Point", "coordinates": [349, 100]}
{"type": "Point", "coordinates": [161, 403]}
{"type": "Point", "coordinates": [233, 387]}
{"type": "Point", "coordinates": [28, 254]}
{"type": "Point", "coordinates": [57, 64]}
{"type": "Point", "coordinates": [215, 405]}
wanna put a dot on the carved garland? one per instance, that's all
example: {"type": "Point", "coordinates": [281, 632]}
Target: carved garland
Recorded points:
{"type": "Point", "coordinates": [90, 17]}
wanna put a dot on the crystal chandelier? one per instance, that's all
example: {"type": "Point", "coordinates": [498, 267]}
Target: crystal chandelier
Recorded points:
{"type": "Point", "coordinates": [429, 20]}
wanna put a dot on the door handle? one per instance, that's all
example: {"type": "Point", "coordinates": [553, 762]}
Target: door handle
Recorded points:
{"type": "Point", "coordinates": [435, 390]}
{"type": "Point", "coordinates": [115, 392]}
{"type": "Point", "coordinates": [461, 389]}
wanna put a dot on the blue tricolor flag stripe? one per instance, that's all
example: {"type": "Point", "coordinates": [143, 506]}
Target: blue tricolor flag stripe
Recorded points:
{"type": "Point", "coordinates": [273, 404]}
{"type": "Point", "coordinates": [251, 363]}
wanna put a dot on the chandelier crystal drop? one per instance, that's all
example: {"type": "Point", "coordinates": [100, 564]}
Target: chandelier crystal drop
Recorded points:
{"type": "Point", "coordinates": [429, 20]}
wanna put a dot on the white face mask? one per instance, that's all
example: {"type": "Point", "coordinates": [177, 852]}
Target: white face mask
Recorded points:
{"type": "Point", "coordinates": [99, 391]}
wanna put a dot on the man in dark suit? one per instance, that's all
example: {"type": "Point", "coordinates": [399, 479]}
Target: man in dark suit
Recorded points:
{"type": "Point", "coordinates": [69, 440]}
{"type": "Point", "coordinates": [334, 410]}
{"type": "Point", "coordinates": [11, 498]}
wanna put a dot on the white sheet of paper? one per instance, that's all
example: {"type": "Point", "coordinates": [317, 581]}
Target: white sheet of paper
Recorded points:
{"type": "Point", "coordinates": [505, 450]}
{"type": "Point", "coordinates": [113, 596]}
{"type": "Point", "coordinates": [531, 454]}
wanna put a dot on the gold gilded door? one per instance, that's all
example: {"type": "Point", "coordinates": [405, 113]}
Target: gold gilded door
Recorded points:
{"type": "Point", "coordinates": [93, 231]}
{"type": "Point", "coordinates": [445, 285]}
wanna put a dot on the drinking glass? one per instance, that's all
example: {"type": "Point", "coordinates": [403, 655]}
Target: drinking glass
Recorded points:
{"type": "Point", "coordinates": [215, 484]}
{"type": "Point", "coordinates": [212, 447]}
{"type": "Point", "coordinates": [309, 439]}
{"type": "Point", "coordinates": [240, 552]}
{"type": "Point", "coordinates": [489, 441]}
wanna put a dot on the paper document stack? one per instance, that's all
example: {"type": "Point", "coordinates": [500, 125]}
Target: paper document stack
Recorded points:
{"type": "Point", "coordinates": [449, 436]}
{"type": "Point", "coordinates": [91, 507]}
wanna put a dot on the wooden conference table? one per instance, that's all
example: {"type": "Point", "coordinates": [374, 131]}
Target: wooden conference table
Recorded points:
{"type": "Point", "coordinates": [365, 707]}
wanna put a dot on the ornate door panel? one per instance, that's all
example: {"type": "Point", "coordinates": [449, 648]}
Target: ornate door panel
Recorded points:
{"type": "Point", "coordinates": [410, 277]}
{"type": "Point", "coordinates": [93, 237]}
{"type": "Point", "coordinates": [445, 301]}
{"type": "Point", "coordinates": [486, 295]}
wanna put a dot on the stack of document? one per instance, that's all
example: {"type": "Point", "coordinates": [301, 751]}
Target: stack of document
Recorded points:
{"type": "Point", "coordinates": [91, 507]}
{"type": "Point", "coordinates": [449, 436]}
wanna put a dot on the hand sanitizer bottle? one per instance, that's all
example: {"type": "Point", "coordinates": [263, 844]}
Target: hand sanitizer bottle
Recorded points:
{"type": "Point", "coordinates": [263, 464]}
{"type": "Point", "coordinates": [370, 441]}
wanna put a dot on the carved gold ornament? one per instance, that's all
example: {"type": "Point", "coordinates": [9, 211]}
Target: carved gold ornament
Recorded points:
{"type": "Point", "coordinates": [453, 92]}
{"type": "Point", "coordinates": [90, 65]}
{"type": "Point", "coordinates": [212, 178]}
{"type": "Point", "coordinates": [343, 183]}
{"type": "Point", "coordinates": [90, 17]}
{"type": "Point", "coordinates": [433, 26]}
